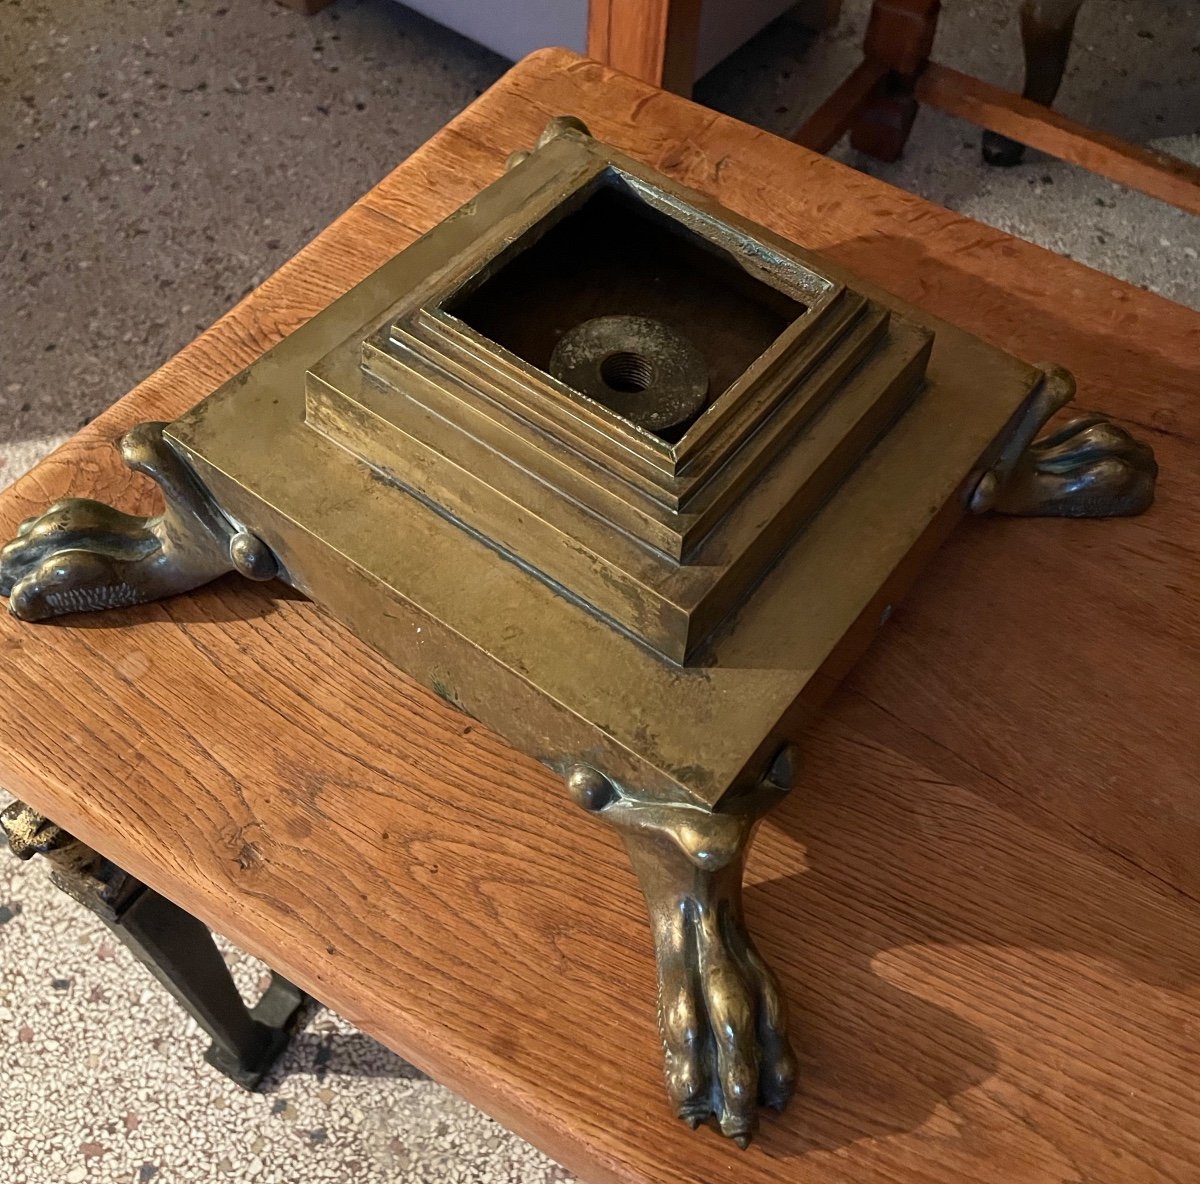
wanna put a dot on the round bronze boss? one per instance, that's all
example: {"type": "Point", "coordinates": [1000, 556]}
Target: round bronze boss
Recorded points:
{"type": "Point", "coordinates": [637, 367]}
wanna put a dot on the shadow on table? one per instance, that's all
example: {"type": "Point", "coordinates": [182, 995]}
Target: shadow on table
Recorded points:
{"type": "Point", "coordinates": [920, 882]}
{"type": "Point", "coordinates": [1094, 340]}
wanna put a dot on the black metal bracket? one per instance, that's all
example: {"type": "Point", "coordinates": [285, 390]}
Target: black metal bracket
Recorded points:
{"type": "Point", "coordinates": [177, 948]}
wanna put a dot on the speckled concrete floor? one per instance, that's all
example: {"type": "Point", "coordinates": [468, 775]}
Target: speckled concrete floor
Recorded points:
{"type": "Point", "coordinates": [159, 158]}
{"type": "Point", "coordinates": [104, 1081]}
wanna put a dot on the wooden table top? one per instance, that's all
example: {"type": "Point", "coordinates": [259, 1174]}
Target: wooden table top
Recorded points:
{"type": "Point", "coordinates": [982, 899]}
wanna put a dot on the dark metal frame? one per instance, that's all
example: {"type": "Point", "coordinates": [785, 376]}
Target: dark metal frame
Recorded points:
{"type": "Point", "coordinates": [177, 948]}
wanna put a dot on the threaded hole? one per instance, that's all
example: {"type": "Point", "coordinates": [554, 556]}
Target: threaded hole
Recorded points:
{"type": "Point", "coordinates": [627, 372]}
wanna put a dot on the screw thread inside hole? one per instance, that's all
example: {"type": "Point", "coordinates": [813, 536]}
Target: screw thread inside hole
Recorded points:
{"type": "Point", "coordinates": [627, 372]}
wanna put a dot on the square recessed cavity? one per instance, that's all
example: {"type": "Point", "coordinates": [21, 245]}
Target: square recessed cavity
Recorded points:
{"type": "Point", "coordinates": [515, 390]}
{"type": "Point", "coordinates": [621, 250]}
{"type": "Point", "coordinates": [624, 252]}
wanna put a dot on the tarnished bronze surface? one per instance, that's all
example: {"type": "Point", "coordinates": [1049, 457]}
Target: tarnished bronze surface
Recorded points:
{"type": "Point", "coordinates": [645, 567]}
{"type": "Point", "coordinates": [75, 868]}
{"type": "Point", "coordinates": [722, 1017]}
{"type": "Point", "coordinates": [577, 582]}
{"type": "Point", "coordinates": [81, 555]}
{"type": "Point", "coordinates": [639, 368]}
{"type": "Point", "coordinates": [1088, 468]}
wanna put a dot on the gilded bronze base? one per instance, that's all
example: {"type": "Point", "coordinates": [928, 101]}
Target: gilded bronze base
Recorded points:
{"type": "Point", "coordinates": [628, 479]}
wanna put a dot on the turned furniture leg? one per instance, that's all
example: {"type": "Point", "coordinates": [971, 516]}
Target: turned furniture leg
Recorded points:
{"type": "Point", "coordinates": [721, 1013]}
{"type": "Point", "coordinates": [1047, 27]}
{"type": "Point", "coordinates": [177, 949]}
{"type": "Point", "coordinates": [898, 41]}
{"type": "Point", "coordinates": [654, 40]}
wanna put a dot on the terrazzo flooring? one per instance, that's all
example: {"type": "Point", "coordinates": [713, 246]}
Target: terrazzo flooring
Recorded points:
{"type": "Point", "coordinates": [104, 1079]}
{"type": "Point", "coordinates": [160, 157]}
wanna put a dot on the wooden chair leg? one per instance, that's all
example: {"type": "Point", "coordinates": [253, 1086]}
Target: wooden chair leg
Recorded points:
{"type": "Point", "coordinates": [1166, 177]}
{"type": "Point", "coordinates": [828, 124]}
{"type": "Point", "coordinates": [1047, 27]}
{"type": "Point", "coordinates": [654, 40]}
{"type": "Point", "coordinates": [899, 38]}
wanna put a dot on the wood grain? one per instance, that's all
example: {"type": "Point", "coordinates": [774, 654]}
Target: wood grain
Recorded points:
{"type": "Point", "coordinates": [1155, 173]}
{"type": "Point", "coordinates": [978, 900]}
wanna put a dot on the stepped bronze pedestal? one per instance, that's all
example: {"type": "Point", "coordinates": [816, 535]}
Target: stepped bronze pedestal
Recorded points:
{"type": "Point", "coordinates": [628, 479]}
